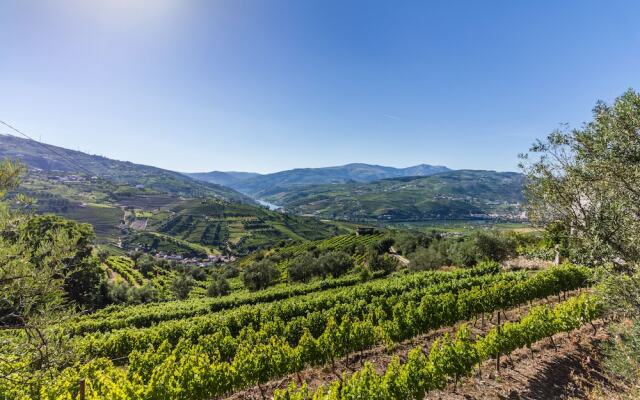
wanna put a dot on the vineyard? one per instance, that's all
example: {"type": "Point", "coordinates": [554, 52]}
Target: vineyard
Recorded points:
{"type": "Point", "coordinates": [350, 243]}
{"type": "Point", "coordinates": [123, 266]}
{"type": "Point", "coordinates": [208, 348]}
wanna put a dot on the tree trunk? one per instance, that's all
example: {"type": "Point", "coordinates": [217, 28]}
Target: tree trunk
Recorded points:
{"type": "Point", "coordinates": [82, 390]}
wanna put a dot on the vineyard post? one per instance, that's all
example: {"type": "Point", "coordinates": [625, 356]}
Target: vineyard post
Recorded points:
{"type": "Point", "coordinates": [81, 391]}
{"type": "Point", "coordinates": [498, 353]}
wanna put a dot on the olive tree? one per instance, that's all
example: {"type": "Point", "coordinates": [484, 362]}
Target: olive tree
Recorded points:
{"type": "Point", "coordinates": [585, 184]}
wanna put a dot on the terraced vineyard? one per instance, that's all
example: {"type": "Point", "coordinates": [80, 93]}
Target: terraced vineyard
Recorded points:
{"type": "Point", "coordinates": [123, 266]}
{"type": "Point", "coordinates": [211, 348]}
{"type": "Point", "coordinates": [336, 243]}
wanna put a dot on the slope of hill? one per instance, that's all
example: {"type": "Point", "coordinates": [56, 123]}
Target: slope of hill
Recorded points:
{"type": "Point", "coordinates": [449, 195]}
{"type": "Point", "coordinates": [272, 184]}
{"type": "Point", "coordinates": [224, 178]}
{"type": "Point", "coordinates": [47, 157]}
{"type": "Point", "coordinates": [150, 208]}
{"type": "Point", "coordinates": [224, 226]}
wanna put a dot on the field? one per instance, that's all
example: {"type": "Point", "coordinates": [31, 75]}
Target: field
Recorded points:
{"type": "Point", "coordinates": [245, 344]}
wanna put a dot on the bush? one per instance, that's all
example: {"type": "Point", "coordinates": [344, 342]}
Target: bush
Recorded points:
{"type": "Point", "coordinates": [218, 287]}
{"type": "Point", "coordinates": [384, 263]}
{"type": "Point", "coordinates": [384, 244]}
{"type": "Point", "coordinates": [431, 257]}
{"type": "Point", "coordinates": [463, 253]}
{"type": "Point", "coordinates": [302, 268]}
{"type": "Point", "coordinates": [334, 263]}
{"type": "Point", "coordinates": [231, 271]}
{"type": "Point", "coordinates": [260, 275]}
{"type": "Point", "coordinates": [181, 286]}
{"type": "Point", "coordinates": [493, 246]}
{"type": "Point", "coordinates": [199, 274]}
{"type": "Point", "coordinates": [146, 293]}
{"type": "Point", "coordinates": [123, 293]}
{"type": "Point", "coordinates": [118, 292]}
{"type": "Point", "coordinates": [364, 273]}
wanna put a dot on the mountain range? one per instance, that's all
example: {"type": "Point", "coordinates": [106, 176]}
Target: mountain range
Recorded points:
{"type": "Point", "coordinates": [262, 186]}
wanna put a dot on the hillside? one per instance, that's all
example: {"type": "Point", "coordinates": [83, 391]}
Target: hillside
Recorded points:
{"type": "Point", "coordinates": [262, 186]}
{"type": "Point", "coordinates": [450, 195]}
{"type": "Point", "coordinates": [148, 208]}
{"type": "Point", "coordinates": [211, 224]}
{"type": "Point", "coordinates": [47, 157]}
{"type": "Point", "coordinates": [224, 178]}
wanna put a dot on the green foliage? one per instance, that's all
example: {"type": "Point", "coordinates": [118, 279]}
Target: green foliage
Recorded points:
{"type": "Point", "coordinates": [40, 269]}
{"type": "Point", "coordinates": [622, 349]}
{"type": "Point", "coordinates": [125, 293]}
{"type": "Point", "coordinates": [260, 275]}
{"type": "Point", "coordinates": [464, 252]}
{"type": "Point", "coordinates": [334, 263]}
{"type": "Point", "coordinates": [584, 184]}
{"type": "Point", "coordinates": [302, 268]}
{"type": "Point", "coordinates": [384, 263]}
{"type": "Point", "coordinates": [181, 286]}
{"type": "Point", "coordinates": [218, 286]}
{"type": "Point", "coordinates": [429, 258]}
{"type": "Point", "coordinates": [451, 358]}
{"type": "Point", "coordinates": [82, 275]}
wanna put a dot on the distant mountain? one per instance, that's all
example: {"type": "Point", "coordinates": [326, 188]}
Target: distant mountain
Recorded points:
{"type": "Point", "coordinates": [224, 178]}
{"type": "Point", "coordinates": [271, 184]}
{"type": "Point", "coordinates": [53, 158]}
{"type": "Point", "coordinates": [449, 195]}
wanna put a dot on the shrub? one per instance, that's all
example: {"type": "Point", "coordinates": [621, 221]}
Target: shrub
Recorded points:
{"type": "Point", "coordinates": [181, 286]}
{"type": "Point", "coordinates": [384, 263]}
{"type": "Point", "coordinates": [335, 263]}
{"type": "Point", "coordinates": [431, 257]}
{"type": "Point", "coordinates": [218, 287]}
{"type": "Point", "coordinates": [260, 275]}
{"type": "Point", "coordinates": [302, 268]}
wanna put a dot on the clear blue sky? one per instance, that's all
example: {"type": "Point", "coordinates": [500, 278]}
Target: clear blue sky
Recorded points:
{"type": "Point", "coordinates": [268, 85]}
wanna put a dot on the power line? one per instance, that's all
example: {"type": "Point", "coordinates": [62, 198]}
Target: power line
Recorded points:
{"type": "Point", "coordinates": [48, 148]}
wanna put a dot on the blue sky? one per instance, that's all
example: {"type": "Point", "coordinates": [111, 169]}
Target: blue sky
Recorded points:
{"type": "Point", "coordinates": [266, 85]}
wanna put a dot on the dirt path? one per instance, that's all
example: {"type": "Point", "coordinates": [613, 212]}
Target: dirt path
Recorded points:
{"type": "Point", "coordinates": [380, 357]}
{"type": "Point", "coordinates": [404, 261]}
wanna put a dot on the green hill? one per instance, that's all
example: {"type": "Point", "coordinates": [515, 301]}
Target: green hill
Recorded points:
{"type": "Point", "coordinates": [48, 158]}
{"type": "Point", "coordinates": [463, 194]}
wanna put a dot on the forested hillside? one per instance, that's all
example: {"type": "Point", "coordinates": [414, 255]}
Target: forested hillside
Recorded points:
{"type": "Point", "coordinates": [462, 194]}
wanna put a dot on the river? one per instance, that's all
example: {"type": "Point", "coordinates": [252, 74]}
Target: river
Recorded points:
{"type": "Point", "coordinates": [270, 206]}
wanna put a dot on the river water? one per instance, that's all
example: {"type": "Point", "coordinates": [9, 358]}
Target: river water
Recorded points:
{"type": "Point", "coordinates": [270, 206]}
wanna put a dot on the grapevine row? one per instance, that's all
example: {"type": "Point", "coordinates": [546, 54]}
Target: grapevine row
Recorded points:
{"type": "Point", "coordinates": [356, 301]}
{"type": "Point", "coordinates": [451, 358]}
{"type": "Point", "coordinates": [147, 315]}
{"type": "Point", "coordinates": [272, 356]}
{"type": "Point", "coordinates": [193, 372]}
